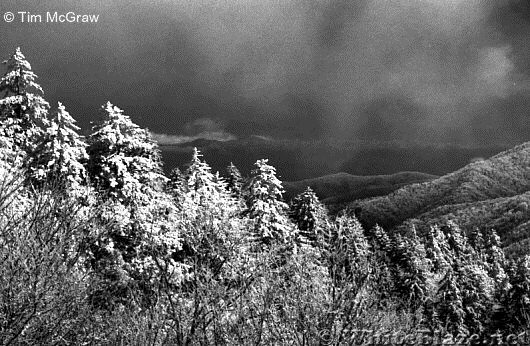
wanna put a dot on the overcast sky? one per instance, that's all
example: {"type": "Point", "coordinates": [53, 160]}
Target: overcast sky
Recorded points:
{"type": "Point", "coordinates": [453, 71]}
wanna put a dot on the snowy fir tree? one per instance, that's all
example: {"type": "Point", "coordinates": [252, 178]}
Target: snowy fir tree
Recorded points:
{"type": "Point", "coordinates": [495, 260]}
{"type": "Point", "coordinates": [60, 155]}
{"type": "Point", "coordinates": [518, 302]}
{"type": "Point", "coordinates": [437, 249]}
{"type": "Point", "coordinates": [234, 180]}
{"type": "Point", "coordinates": [123, 158]}
{"type": "Point", "coordinates": [380, 241]}
{"type": "Point", "coordinates": [23, 111]}
{"type": "Point", "coordinates": [450, 308]}
{"type": "Point", "coordinates": [477, 292]}
{"type": "Point", "coordinates": [201, 184]}
{"type": "Point", "coordinates": [177, 188]}
{"type": "Point", "coordinates": [411, 269]}
{"type": "Point", "coordinates": [476, 240]}
{"type": "Point", "coordinates": [200, 193]}
{"type": "Point", "coordinates": [125, 167]}
{"type": "Point", "coordinates": [461, 250]}
{"type": "Point", "coordinates": [176, 182]}
{"type": "Point", "coordinates": [310, 215]}
{"type": "Point", "coordinates": [265, 205]}
{"type": "Point", "coordinates": [349, 251]}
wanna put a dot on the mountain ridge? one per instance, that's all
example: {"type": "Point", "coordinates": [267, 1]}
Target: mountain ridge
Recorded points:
{"type": "Point", "coordinates": [480, 194]}
{"type": "Point", "coordinates": [296, 159]}
{"type": "Point", "coordinates": [337, 189]}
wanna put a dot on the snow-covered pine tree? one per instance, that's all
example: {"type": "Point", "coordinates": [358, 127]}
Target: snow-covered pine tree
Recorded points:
{"type": "Point", "coordinates": [60, 155]}
{"type": "Point", "coordinates": [220, 182]}
{"type": "Point", "coordinates": [381, 247]}
{"type": "Point", "coordinates": [497, 267]}
{"type": "Point", "coordinates": [141, 223]}
{"type": "Point", "coordinates": [310, 215]}
{"type": "Point", "coordinates": [504, 317]}
{"type": "Point", "coordinates": [476, 240]}
{"type": "Point", "coordinates": [176, 182]}
{"type": "Point", "coordinates": [412, 269]}
{"type": "Point", "coordinates": [202, 186]}
{"type": "Point", "coordinates": [496, 260]}
{"type": "Point", "coordinates": [518, 302]}
{"type": "Point", "coordinates": [462, 251]}
{"type": "Point", "coordinates": [212, 228]}
{"type": "Point", "coordinates": [437, 249]}
{"type": "Point", "coordinates": [234, 180]}
{"type": "Point", "coordinates": [123, 158]}
{"type": "Point", "coordinates": [265, 205]}
{"type": "Point", "coordinates": [449, 307]}
{"type": "Point", "coordinates": [23, 111]}
{"type": "Point", "coordinates": [477, 289]}
{"type": "Point", "coordinates": [349, 251]}
{"type": "Point", "coordinates": [380, 241]}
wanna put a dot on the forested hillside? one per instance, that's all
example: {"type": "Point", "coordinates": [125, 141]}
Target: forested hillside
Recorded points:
{"type": "Point", "coordinates": [99, 247]}
{"type": "Point", "coordinates": [336, 190]}
{"type": "Point", "coordinates": [509, 216]}
{"type": "Point", "coordinates": [503, 175]}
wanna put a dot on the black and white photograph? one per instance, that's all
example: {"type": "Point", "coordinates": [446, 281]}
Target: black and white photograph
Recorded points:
{"type": "Point", "coordinates": [264, 172]}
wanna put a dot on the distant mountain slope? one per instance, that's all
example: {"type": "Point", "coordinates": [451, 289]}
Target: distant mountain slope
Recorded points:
{"type": "Point", "coordinates": [504, 175]}
{"type": "Point", "coordinates": [335, 190]}
{"type": "Point", "coordinates": [509, 216]}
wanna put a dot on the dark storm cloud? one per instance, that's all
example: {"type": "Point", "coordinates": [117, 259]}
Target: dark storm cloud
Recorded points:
{"type": "Point", "coordinates": [336, 18]}
{"type": "Point", "coordinates": [417, 69]}
{"type": "Point", "coordinates": [391, 117]}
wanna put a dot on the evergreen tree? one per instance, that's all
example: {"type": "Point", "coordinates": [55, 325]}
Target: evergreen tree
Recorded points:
{"type": "Point", "coordinates": [504, 313]}
{"type": "Point", "coordinates": [204, 199]}
{"type": "Point", "coordinates": [518, 302]}
{"type": "Point", "coordinates": [201, 184]}
{"type": "Point", "coordinates": [60, 155]}
{"type": "Point", "coordinates": [349, 250]}
{"type": "Point", "coordinates": [476, 240]}
{"type": "Point", "coordinates": [496, 261]}
{"type": "Point", "coordinates": [176, 182]}
{"type": "Point", "coordinates": [23, 111]}
{"type": "Point", "coordinates": [141, 225]}
{"type": "Point", "coordinates": [461, 250]}
{"type": "Point", "coordinates": [381, 247]}
{"type": "Point", "coordinates": [123, 158]}
{"type": "Point", "coordinates": [212, 228]}
{"type": "Point", "coordinates": [450, 308]}
{"type": "Point", "coordinates": [380, 241]}
{"type": "Point", "coordinates": [477, 290]}
{"type": "Point", "coordinates": [475, 285]}
{"type": "Point", "coordinates": [234, 181]}
{"type": "Point", "coordinates": [265, 205]}
{"type": "Point", "coordinates": [310, 215]}
{"type": "Point", "coordinates": [437, 249]}
{"type": "Point", "coordinates": [220, 181]}
{"type": "Point", "coordinates": [497, 267]}
{"type": "Point", "coordinates": [411, 270]}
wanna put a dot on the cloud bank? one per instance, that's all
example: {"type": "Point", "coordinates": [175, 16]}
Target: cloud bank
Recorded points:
{"type": "Point", "coordinates": [203, 128]}
{"type": "Point", "coordinates": [423, 70]}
